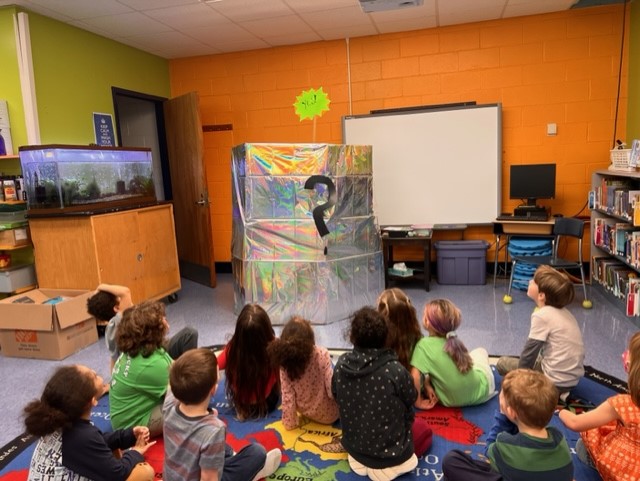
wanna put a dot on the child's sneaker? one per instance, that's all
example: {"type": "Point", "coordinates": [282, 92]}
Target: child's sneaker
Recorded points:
{"type": "Point", "coordinates": [271, 464]}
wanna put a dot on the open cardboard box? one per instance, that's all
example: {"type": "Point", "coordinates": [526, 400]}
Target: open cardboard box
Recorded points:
{"type": "Point", "coordinates": [31, 328]}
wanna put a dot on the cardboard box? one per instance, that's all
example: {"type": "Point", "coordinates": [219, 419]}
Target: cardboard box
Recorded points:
{"type": "Point", "coordinates": [31, 328]}
{"type": "Point", "coordinates": [13, 237]}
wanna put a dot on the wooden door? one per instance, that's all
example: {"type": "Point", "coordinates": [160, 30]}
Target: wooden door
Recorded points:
{"type": "Point", "coordinates": [189, 188]}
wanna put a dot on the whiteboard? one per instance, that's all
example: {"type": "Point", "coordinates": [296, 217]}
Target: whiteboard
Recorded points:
{"type": "Point", "coordinates": [440, 166]}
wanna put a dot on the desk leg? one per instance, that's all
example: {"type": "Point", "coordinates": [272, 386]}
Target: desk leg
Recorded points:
{"type": "Point", "coordinates": [427, 264]}
{"type": "Point", "coordinates": [495, 260]}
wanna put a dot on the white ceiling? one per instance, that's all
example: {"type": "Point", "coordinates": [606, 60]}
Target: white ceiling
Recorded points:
{"type": "Point", "coordinates": [185, 28]}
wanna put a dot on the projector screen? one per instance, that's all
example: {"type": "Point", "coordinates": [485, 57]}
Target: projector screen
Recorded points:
{"type": "Point", "coordinates": [433, 166]}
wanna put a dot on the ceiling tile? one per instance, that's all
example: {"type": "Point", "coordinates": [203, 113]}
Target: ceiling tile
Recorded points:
{"type": "Point", "coordinates": [305, 6]}
{"type": "Point", "coordinates": [246, 10]}
{"type": "Point", "coordinates": [341, 17]}
{"type": "Point", "coordinates": [222, 33]}
{"type": "Point", "coordinates": [269, 27]}
{"type": "Point", "coordinates": [152, 4]}
{"type": "Point", "coordinates": [187, 17]}
{"type": "Point", "coordinates": [79, 9]}
{"type": "Point", "coordinates": [126, 24]}
{"type": "Point", "coordinates": [335, 33]}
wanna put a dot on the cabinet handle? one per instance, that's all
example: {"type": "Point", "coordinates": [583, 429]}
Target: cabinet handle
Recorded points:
{"type": "Point", "coordinates": [140, 257]}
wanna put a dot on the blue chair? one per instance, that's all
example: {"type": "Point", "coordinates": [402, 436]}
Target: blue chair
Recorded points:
{"type": "Point", "coordinates": [567, 227]}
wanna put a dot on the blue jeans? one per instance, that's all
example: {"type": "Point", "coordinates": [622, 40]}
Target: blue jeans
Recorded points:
{"type": "Point", "coordinates": [244, 465]}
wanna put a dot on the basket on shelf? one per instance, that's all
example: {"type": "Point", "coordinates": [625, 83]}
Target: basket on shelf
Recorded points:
{"type": "Point", "coordinates": [620, 160]}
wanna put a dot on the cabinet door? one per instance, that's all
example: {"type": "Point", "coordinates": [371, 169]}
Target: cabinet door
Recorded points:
{"type": "Point", "coordinates": [117, 239]}
{"type": "Point", "coordinates": [65, 253]}
{"type": "Point", "coordinates": [158, 254]}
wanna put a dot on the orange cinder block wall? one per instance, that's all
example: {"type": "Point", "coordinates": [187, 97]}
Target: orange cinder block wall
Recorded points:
{"type": "Point", "coordinates": [557, 68]}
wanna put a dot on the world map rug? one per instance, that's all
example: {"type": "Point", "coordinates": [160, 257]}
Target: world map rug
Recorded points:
{"type": "Point", "coordinates": [309, 453]}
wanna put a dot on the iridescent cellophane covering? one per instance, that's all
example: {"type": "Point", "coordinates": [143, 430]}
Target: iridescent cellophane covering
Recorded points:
{"type": "Point", "coordinates": [278, 254]}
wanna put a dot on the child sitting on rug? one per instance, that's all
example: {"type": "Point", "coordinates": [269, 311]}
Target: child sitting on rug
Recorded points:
{"type": "Point", "coordinates": [107, 305]}
{"type": "Point", "coordinates": [610, 434]}
{"type": "Point", "coordinates": [555, 343]}
{"type": "Point", "coordinates": [442, 368]}
{"type": "Point", "coordinates": [252, 384]}
{"type": "Point", "coordinates": [141, 373]}
{"type": "Point", "coordinates": [375, 395]}
{"type": "Point", "coordinates": [404, 328]}
{"type": "Point", "coordinates": [305, 375]}
{"type": "Point", "coordinates": [70, 446]}
{"type": "Point", "coordinates": [194, 436]}
{"type": "Point", "coordinates": [520, 445]}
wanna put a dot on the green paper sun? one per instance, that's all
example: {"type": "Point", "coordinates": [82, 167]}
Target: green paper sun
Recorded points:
{"type": "Point", "coordinates": [311, 103]}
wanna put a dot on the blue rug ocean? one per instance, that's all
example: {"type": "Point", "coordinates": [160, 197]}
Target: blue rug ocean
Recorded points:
{"type": "Point", "coordinates": [304, 457]}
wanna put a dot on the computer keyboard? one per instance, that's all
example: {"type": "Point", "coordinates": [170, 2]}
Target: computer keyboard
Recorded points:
{"type": "Point", "coordinates": [524, 218]}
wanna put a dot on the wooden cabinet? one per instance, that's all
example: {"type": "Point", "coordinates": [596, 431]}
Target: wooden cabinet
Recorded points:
{"type": "Point", "coordinates": [135, 248]}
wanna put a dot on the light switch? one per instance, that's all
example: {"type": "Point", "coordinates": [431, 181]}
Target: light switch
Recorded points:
{"type": "Point", "coordinates": [552, 129]}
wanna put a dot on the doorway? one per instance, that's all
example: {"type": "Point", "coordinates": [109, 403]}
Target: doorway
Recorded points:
{"type": "Point", "coordinates": [141, 121]}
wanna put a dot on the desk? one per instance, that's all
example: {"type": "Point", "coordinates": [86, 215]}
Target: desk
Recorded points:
{"type": "Point", "coordinates": [387, 250]}
{"type": "Point", "coordinates": [520, 228]}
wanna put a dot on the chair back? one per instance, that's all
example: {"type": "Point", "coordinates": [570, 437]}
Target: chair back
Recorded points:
{"type": "Point", "coordinates": [570, 226]}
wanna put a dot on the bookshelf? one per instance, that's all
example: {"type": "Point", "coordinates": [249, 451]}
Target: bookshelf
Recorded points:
{"type": "Point", "coordinates": [615, 238]}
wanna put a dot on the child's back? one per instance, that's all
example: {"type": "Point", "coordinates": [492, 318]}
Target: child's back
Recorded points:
{"type": "Point", "coordinates": [610, 434]}
{"type": "Point", "coordinates": [442, 368]}
{"type": "Point", "coordinates": [194, 436]}
{"type": "Point", "coordinates": [305, 375]}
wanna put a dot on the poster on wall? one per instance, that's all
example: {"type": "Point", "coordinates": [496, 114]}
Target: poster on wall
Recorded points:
{"type": "Point", "coordinates": [103, 130]}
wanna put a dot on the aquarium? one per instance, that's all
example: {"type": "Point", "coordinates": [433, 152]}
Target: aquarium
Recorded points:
{"type": "Point", "coordinates": [70, 178]}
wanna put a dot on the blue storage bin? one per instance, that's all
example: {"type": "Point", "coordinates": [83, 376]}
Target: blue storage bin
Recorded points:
{"type": "Point", "coordinates": [462, 262]}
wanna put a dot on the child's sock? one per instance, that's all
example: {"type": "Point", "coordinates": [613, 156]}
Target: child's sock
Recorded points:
{"type": "Point", "coordinates": [271, 464]}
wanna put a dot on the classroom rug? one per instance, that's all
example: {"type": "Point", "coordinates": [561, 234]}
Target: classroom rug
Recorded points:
{"type": "Point", "coordinates": [307, 451]}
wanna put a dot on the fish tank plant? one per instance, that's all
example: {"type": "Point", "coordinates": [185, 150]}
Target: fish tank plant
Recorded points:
{"type": "Point", "coordinates": [73, 178]}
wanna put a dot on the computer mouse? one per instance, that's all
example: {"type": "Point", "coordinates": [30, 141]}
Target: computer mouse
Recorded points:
{"type": "Point", "coordinates": [558, 215]}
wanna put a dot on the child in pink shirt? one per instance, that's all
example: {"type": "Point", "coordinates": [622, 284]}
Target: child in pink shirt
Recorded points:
{"type": "Point", "coordinates": [305, 375]}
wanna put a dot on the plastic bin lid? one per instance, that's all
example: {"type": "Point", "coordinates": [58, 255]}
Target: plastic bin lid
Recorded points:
{"type": "Point", "coordinates": [462, 245]}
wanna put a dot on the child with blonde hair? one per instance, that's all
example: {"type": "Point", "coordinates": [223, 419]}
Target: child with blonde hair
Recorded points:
{"type": "Point", "coordinates": [520, 444]}
{"type": "Point", "coordinates": [404, 329]}
{"type": "Point", "coordinates": [305, 375]}
{"type": "Point", "coordinates": [442, 368]}
{"type": "Point", "coordinates": [610, 434]}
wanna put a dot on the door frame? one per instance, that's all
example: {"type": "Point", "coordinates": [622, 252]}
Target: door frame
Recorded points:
{"type": "Point", "coordinates": [162, 134]}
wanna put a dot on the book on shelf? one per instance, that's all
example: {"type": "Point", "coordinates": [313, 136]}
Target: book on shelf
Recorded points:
{"type": "Point", "coordinates": [634, 158]}
{"type": "Point", "coordinates": [633, 297]}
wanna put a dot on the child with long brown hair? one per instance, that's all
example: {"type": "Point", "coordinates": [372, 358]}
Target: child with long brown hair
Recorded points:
{"type": "Point", "coordinates": [305, 375]}
{"type": "Point", "coordinates": [404, 329]}
{"type": "Point", "coordinates": [70, 446]}
{"type": "Point", "coordinates": [442, 368]}
{"type": "Point", "coordinates": [610, 434]}
{"type": "Point", "coordinates": [252, 384]}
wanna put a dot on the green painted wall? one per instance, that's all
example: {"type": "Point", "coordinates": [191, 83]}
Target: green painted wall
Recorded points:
{"type": "Point", "coordinates": [633, 106]}
{"type": "Point", "coordinates": [10, 78]}
{"type": "Point", "coordinates": [75, 70]}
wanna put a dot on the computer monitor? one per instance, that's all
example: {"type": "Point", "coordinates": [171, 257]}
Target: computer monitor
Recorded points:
{"type": "Point", "coordinates": [532, 182]}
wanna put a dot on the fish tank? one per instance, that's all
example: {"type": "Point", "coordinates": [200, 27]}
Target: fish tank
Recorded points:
{"type": "Point", "coordinates": [73, 178]}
